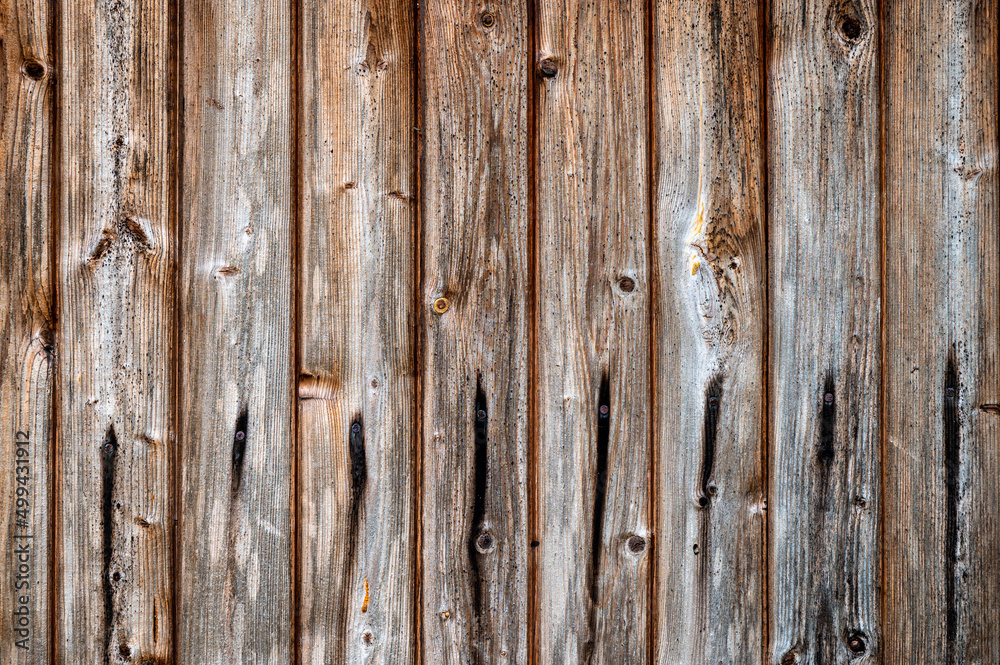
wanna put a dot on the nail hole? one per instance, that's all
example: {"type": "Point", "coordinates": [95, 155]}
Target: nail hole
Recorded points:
{"type": "Point", "coordinates": [488, 20]}
{"type": "Point", "coordinates": [636, 544]}
{"type": "Point", "coordinates": [856, 642]}
{"type": "Point", "coordinates": [534, 543]}
{"type": "Point", "coordinates": [116, 576]}
{"type": "Point", "coordinates": [851, 28]}
{"type": "Point", "coordinates": [484, 543]}
{"type": "Point", "coordinates": [702, 501]}
{"type": "Point", "coordinates": [712, 489]}
{"type": "Point", "coordinates": [548, 68]}
{"type": "Point", "coordinates": [626, 284]}
{"type": "Point", "coordinates": [696, 548]}
{"type": "Point", "coordinates": [441, 305]}
{"type": "Point", "coordinates": [34, 69]}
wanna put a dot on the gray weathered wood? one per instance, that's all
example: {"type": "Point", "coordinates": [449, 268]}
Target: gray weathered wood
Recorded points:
{"type": "Point", "coordinates": [236, 331]}
{"type": "Point", "coordinates": [593, 336]}
{"type": "Point", "coordinates": [357, 488]}
{"type": "Point", "coordinates": [474, 318]}
{"type": "Point", "coordinates": [824, 386]}
{"type": "Point", "coordinates": [116, 304]}
{"type": "Point", "coordinates": [26, 335]}
{"type": "Point", "coordinates": [942, 261]}
{"type": "Point", "coordinates": [711, 327]}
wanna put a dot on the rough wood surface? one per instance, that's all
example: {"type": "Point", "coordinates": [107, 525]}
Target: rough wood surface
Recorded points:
{"type": "Point", "coordinates": [593, 336]}
{"type": "Point", "coordinates": [26, 331]}
{"type": "Point", "coordinates": [942, 303]}
{"type": "Point", "coordinates": [357, 386]}
{"type": "Point", "coordinates": [116, 302]}
{"type": "Point", "coordinates": [473, 312]}
{"type": "Point", "coordinates": [824, 300]}
{"type": "Point", "coordinates": [711, 327]}
{"type": "Point", "coordinates": [237, 331]}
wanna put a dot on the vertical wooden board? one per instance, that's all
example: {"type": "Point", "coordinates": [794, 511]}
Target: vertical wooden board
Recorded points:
{"type": "Point", "coordinates": [942, 260]}
{"type": "Point", "coordinates": [593, 335]}
{"type": "Point", "coordinates": [711, 320]}
{"type": "Point", "coordinates": [824, 385]}
{"type": "Point", "coordinates": [474, 317]}
{"type": "Point", "coordinates": [357, 388]}
{"type": "Point", "coordinates": [236, 331]}
{"type": "Point", "coordinates": [116, 303]}
{"type": "Point", "coordinates": [26, 352]}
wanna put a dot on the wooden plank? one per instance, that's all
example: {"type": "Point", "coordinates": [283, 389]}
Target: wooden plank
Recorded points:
{"type": "Point", "coordinates": [474, 316]}
{"type": "Point", "coordinates": [236, 334]}
{"type": "Point", "coordinates": [593, 334]}
{"type": "Point", "coordinates": [26, 328]}
{"type": "Point", "coordinates": [711, 318]}
{"type": "Point", "coordinates": [824, 385]}
{"type": "Point", "coordinates": [357, 389]}
{"type": "Point", "coordinates": [942, 379]}
{"type": "Point", "coordinates": [116, 302]}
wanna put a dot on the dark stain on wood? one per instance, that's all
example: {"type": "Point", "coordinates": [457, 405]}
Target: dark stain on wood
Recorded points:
{"type": "Point", "coordinates": [109, 453]}
{"type": "Point", "coordinates": [827, 450]}
{"type": "Point", "coordinates": [239, 448]}
{"type": "Point", "coordinates": [359, 479]}
{"type": "Point", "coordinates": [481, 475]}
{"type": "Point", "coordinates": [952, 467]}
{"type": "Point", "coordinates": [713, 401]}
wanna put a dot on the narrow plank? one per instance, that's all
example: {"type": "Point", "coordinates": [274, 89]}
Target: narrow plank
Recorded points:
{"type": "Point", "coordinates": [26, 328]}
{"type": "Point", "coordinates": [474, 319]}
{"type": "Point", "coordinates": [824, 384]}
{"type": "Point", "coordinates": [116, 301]}
{"type": "Point", "coordinates": [593, 335]}
{"type": "Point", "coordinates": [942, 260]}
{"type": "Point", "coordinates": [236, 334]}
{"type": "Point", "coordinates": [711, 319]}
{"type": "Point", "coordinates": [357, 388]}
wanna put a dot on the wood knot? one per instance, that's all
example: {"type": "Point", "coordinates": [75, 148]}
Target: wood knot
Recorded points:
{"type": "Point", "coordinates": [636, 544]}
{"type": "Point", "coordinates": [33, 69]}
{"type": "Point", "coordinates": [547, 68]}
{"type": "Point", "coordinates": [488, 20]}
{"type": "Point", "coordinates": [856, 643]}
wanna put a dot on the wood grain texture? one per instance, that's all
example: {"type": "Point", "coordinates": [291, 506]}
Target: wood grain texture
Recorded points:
{"type": "Point", "coordinates": [711, 322]}
{"type": "Point", "coordinates": [26, 331]}
{"type": "Point", "coordinates": [237, 331]}
{"type": "Point", "coordinates": [474, 358]}
{"type": "Point", "coordinates": [593, 336]}
{"type": "Point", "coordinates": [942, 302]}
{"type": "Point", "coordinates": [357, 386]}
{"type": "Point", "coordinates": [824, 386]}
{"type": "Point", "coordinates": [116, 301]}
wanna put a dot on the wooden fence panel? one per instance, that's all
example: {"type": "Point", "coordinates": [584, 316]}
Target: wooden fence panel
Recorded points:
{"type": "Point", "coordinates": [593, 336]}
{"type": "Point", "coordinates": [357, 388]}
{"type": "Point", "coordinates": [237, 330]}
{"type": "Point", "coordinates": [116, 303]}
{"type": "Point", "coordinates": [824, 301]}
{"type": "Point", "coordinates": [474, 316]}
{"type": "Point", "coordinates": [26, 331]}
{"type": "Point", "coordinates": [942, 291]}
{"type": "Point", "coordinates": [710, 319]}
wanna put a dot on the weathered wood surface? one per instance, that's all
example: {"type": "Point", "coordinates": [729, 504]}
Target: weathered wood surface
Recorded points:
{"type": "Point", "coordinates": [357, 387]}
{"type": "Point", "coordinates": [710, 317]}
{"type": "Point", "coordinates": [236, 334]}
{"type": "Point", "coordinates": [115, 334]}
{"type": "Point", "coordinates": [942, 290]}
{"type": "Point", "coordinates": [474, 318]}
{"type": "Point", "coordinates": [26, 331]}
{"type": "Point", "coordinates": [592, 331]}
{"type": "Point", "coordinates": [824, 301]}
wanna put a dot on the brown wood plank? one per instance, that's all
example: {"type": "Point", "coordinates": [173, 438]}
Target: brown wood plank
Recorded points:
{"type": "Point", "coordinates": [824, 385]}
{"type": "Point", "coordinates": [711, 327]}
{"type": "Point", "coordinates": [593, 334]}
{"type": "Point", "coordinates": [942, 261]}
{"type": "Point", "coordinates": [116, 303]}
{"type": "Point", "coordinates": [236, 334]}
{"type": "Point", "coordinates": [474, 317]}
{"type": "Point", "coordinates": [357, 386]}
{"type": "Point", "coordinates": [26, 328]}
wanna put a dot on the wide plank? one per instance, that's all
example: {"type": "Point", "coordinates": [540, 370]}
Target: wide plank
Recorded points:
{"type": "Point", "coordinates": [26, 330]}
{"type": "Point", "coordinates": [236, 320]}
{"type": "Point", "coordinates": [116, 325]}
{"type": "Point", "coordinates": [593, 390]}
{"type": "Point", "coordinates": [710, 317]}
{"type": "Point", "coordinates": [474, 317]}
{"type": "Point", "coordinates": [357, 387]}
{"type": "Point", "coordinates": [942, 379]}
{"type": "Point", "coordinates": [824, 309]}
